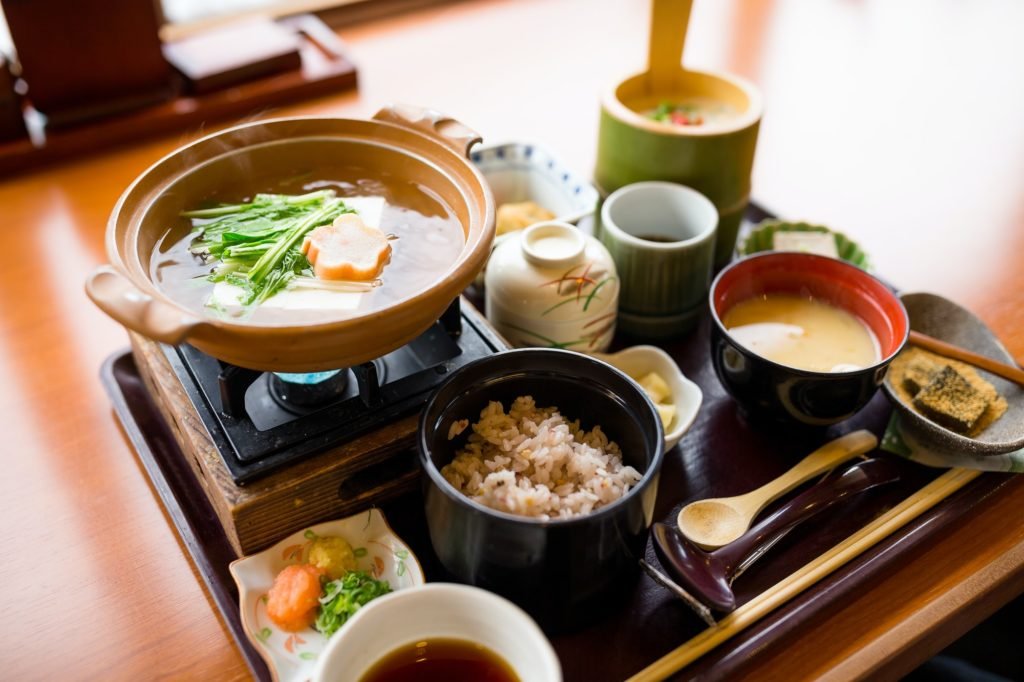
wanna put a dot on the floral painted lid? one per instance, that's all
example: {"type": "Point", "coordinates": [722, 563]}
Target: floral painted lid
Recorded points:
{"type": "Point", "coordinates": [553, 285]}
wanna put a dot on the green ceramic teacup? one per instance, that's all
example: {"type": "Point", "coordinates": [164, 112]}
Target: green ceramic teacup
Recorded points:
{"type": "Point", "coordinates": [714, 158]}
{"type": "Point", "coordinates": [662, 238]}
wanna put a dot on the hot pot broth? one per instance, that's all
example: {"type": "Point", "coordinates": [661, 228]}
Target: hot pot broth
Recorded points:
{"type": "Point", "coordinates": [428, 241]}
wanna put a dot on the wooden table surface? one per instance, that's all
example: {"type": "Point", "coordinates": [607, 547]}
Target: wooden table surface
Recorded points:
{"type": "Point", "coordinates": [899, 123]}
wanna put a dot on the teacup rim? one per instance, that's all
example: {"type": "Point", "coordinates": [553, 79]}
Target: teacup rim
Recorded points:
{"type": "Point", "coordinates": [607, 224]}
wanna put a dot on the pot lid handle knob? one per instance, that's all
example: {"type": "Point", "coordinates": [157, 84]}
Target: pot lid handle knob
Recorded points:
{"type": "Point", "coordinates": [433, 123]}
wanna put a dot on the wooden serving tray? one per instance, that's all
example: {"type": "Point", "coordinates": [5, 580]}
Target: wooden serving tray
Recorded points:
{"type": "Point", "coordinates": [720, 455]}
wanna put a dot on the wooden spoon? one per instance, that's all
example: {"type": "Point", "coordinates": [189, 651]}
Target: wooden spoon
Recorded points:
{"type": "Point", "coordinates": [1008, 372]}
{"type": "Point", "coordinates": [669, 19]}
{"type": "Point", "coordinates": [716, 522]}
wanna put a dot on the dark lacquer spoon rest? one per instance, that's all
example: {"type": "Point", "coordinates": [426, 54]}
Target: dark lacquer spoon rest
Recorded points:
{"type": "Point", "coordinates": [708, 576]}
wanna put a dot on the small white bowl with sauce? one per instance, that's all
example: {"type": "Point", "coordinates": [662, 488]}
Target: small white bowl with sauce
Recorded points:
{"type": "Point", "coordinates": [439, 611]}
{"type": "Point", "coordinates": [553, 286]}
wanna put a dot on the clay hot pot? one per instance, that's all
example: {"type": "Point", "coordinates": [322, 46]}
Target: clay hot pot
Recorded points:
{"type": "Point", "coordinates": [409, 145]}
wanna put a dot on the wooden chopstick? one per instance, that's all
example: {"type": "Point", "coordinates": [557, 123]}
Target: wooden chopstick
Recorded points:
{"type": "Point", "coordinates": [746, 615]}
{"type": "Point", "coordinates": [1000, 369]}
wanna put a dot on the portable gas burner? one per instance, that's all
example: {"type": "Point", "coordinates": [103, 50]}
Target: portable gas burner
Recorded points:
{"type": "Point", "coordinates": [277, 451]}
{"type": "Point", "coordinates": [262, 421]}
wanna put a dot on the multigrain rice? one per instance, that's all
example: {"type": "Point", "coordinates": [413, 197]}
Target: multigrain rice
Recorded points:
{"type": "Point", "coordinates": [532, 461]}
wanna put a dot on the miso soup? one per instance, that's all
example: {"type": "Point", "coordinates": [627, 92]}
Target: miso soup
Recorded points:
{"type": "Point", "coordinates": [802, 332]}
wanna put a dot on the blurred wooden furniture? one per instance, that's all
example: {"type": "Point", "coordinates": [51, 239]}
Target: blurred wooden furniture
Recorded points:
{"type": "Point", "coordinates": [84, 59]}
{"type": "Point", "coordinates": [232, 54]}
{"type": "Point", "coordinates": [12, 122]}
{"type": "Point", "coordinates": [214, 96]}
{"type": "Point", "coordinates": [858, 134]}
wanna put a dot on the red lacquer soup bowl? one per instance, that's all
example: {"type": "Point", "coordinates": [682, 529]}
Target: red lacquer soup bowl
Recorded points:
{"type": "Point", "coordinates": [767, 390]}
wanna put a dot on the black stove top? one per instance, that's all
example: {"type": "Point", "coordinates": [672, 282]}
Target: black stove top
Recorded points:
{"type": "Point", "coordinates": [262, 421]}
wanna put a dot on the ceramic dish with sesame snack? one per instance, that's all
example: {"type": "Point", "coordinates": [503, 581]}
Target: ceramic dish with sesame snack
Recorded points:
{"type": "Point", "coordinates": [360, 555]}
{"type": "Point", "coordinates": [995, 428]}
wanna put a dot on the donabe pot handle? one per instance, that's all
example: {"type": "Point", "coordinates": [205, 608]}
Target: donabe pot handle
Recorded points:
{"type": "Point", "coordinates": [118, 297]}
{"type": "Point", "coordinates": [434, 123]}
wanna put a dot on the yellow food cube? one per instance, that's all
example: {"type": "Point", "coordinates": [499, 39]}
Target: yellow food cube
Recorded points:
{"type": "Point", "coordinates": [655, 387]}
{"type": "Point", "coordinates": [667, 413]}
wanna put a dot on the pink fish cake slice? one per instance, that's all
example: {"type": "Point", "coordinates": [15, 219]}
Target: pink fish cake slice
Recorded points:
{"type": "Point", "coordinates": [348, 249]}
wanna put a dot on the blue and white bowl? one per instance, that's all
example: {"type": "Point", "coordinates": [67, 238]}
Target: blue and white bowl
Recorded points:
{"type": "Point", "coordinates": [520, 171]}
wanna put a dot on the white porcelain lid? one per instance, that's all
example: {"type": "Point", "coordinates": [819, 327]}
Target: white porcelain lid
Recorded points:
{"type": "Point", "coordinates": [552, 270]}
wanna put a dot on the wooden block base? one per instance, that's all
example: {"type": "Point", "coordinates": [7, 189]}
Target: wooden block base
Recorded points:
{"type": "Point", "coordinates": [368, 470]}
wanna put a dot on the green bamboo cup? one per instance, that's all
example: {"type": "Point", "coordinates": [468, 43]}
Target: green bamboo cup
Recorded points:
{"type": "Point", "coordinates": [716, 160]}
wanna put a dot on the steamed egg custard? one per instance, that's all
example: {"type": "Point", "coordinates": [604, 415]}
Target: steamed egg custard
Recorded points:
{"type": "Point", "coordinates": [693, 111]}
{"type": "Point", "coordinates": [802, 332]}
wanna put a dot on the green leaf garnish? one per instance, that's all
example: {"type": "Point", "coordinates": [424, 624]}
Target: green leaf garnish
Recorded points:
{"type": "Point", "coordinates": [344, 597]}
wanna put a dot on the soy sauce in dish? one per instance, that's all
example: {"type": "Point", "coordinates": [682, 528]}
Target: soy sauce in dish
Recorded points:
{"type": "Point", "coordinates": [441, 659]}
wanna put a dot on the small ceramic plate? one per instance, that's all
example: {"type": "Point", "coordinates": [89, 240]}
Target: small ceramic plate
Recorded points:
{"type": "Point", "coordinates": [762, 235]}
{"type": "Point", "coordinates": [637, 361]}
{"type": "Point", "coordinates": [291, 656]}
{"type": "Point", "coordinates": [939, 317]}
